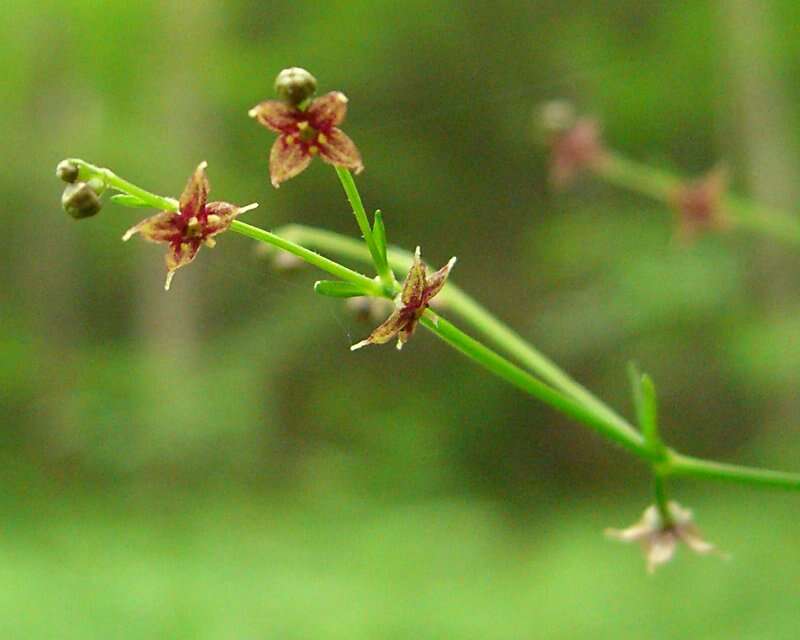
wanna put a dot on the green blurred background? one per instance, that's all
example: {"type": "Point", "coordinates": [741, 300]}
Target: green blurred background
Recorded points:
{"type": "Point", "coordinates": [214, 463]}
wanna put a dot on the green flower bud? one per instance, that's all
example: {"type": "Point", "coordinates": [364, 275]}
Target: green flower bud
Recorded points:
{"type": "Point", "coordinates": [67, 171]}
{"type": "Point", "coordinates": [80, 201]}
{"type": "Point", "coordinates": [295, 85]}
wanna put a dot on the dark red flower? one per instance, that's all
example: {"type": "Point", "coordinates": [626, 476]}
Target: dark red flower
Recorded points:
{"type": "Point", "coordinates": [575, 149]}
{"type": "Point", "coordinates": [305, 133]}
{"type": "Point", "coordinates": [418, 290]}
{"type": "Point", "coordinates": [195, 224]}
{"type": "Point", "coordinates": [699, 204]}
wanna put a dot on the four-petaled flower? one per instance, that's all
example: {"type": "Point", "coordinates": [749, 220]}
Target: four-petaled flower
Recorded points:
{"type": "Point", "coordinates": [699, 204]}
{"type": "Point", "coordinates": [195, 223]}
{"type": "Point", "coordinates": [305, 133]}
{"type": "Point", "coordinates": [575, 149]}
{"type": "Point", "coordinates": [659, 539]}
{"type": "Point", "coordinates": [418, 290]}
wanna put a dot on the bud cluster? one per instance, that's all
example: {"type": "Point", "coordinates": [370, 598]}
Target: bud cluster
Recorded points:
{"type": "Point", "coordinates": [80, 199]}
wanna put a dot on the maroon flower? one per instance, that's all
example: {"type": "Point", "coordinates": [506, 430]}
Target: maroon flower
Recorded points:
{"type": "Point", "coordinates": [195, 224]}
{"type": "Point", "coordinates": [418, 290]}
{"type": "Point", "coordinates": [575, 149]}
{"type": "Point", "coordinates": [699, 204]}
{"type": "Point", "coordinates": [305, 133]}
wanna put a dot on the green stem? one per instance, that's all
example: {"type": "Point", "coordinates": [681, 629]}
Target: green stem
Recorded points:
{"type": "Point", "coordinates": [672, 464]}
{"type": "Point", "coordinates": [594, 414]}
{"type": "Point", "coordinates": [681, 465]}
{"type": "Point", "coordinates": [662, 186]}
{"type": "Point", "coordinates": [111, 179]}
{"type": "Point", "coordinates": [466, 307]}
{"type": "Point", "coordinates": [354, 197]}
{"type": "Point", "coordinates": [662, 500]}
{"type": "Point", "coordinates": [508, 371]}
{"type": "Point", "coordinates": [368, 285]}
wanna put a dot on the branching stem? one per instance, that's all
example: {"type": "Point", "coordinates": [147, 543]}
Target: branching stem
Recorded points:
{"type": "Point", "coordinates": [552, 386]}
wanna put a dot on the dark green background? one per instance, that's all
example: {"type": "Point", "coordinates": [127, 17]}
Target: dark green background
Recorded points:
{"type": "Point", "coordinates": [214, 463]}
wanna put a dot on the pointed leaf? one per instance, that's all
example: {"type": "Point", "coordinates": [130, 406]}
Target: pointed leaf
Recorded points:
{"type": "Point", "coordinates": [379, 235]}
{"type": "Point", "coordinates": [644, 400]}
{"type": "Point", "coordinates": [337, 289]}
{"type": "Point", "coordinates": [129, 201]}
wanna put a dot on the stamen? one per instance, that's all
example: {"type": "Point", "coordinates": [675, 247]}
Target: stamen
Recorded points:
{"type": "Point", "coordinates": [322, 138]}
{"type": "Point", "coordinates": [313, 149]}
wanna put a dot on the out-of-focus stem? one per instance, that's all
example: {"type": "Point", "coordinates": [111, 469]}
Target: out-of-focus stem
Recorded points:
{"type": "Point", "coordinates": [663, 185]}
{"type": "Point", "coordinates": [469, 310]}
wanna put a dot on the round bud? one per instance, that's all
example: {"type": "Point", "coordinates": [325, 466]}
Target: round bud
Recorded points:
{"type": "Point", "coordinates": [80, 201]}
{"type": "Point", "coordinates": [295, 85]}
{"type": "Point", "coordinates": [556, 116]}
{"type": "Point", "coordinates": [67, 171]}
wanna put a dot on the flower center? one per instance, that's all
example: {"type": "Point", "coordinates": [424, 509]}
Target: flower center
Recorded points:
{"type": "Point", "coordinates": [305, 132]}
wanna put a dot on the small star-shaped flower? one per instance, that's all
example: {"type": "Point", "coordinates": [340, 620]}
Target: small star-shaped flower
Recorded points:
{"type": "Point", "coordinates": [195, 223]}
{"type": "Point", "coordinates": [305, 133]}
{"type": "Point", "coordinates": [659, 539]}
{"type": "Point", "coordinates": [699, 204]}
{"type": "Point", "coordinates": [418, 290]}
{"type": "Point", "coordinates": [575, 149]}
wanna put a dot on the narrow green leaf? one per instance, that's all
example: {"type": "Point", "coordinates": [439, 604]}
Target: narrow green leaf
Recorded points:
{"type": "Point", "coordinates": [338, 289]}
{"type": "Point", "coordinates": [646, 405]}
{"type": "Point", "coordinates": [379, 235]}
{"type": "Point", "coordinates": [649, 414]}
{"type": "Point", "coordinates": [635, 377]}
{"type": "Point", "coordinates": [129, 201]}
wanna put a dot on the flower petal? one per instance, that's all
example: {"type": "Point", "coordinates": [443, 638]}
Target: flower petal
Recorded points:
{"type": "Point", "coordinates": [286, 161]}
{"type": "Point", "coordinates": [195, 195]}
{"type": "Point", "coordinates": [691, 535]}
{"type": "Point", "coordinates": [275, 115]}
{"type": "Point", "coordinates": [219, 216]}
{"type": "Point", "coordinates": [660, 549]}
{"type": "Point", "coordinates": [327, 111]}
{"type": "Point", "coordinates": [386, 331]}
{"type": "Point", "coordinates": [404, 335]}
{"type": "Point", "coordinates": [161, 227]}
{"type": "Point", "coordinates": [179, 255]}
{"type": "Point", "coordinates": [338, 149]}
{"type": "Point", "coordinates": [414, 286]}
{"type": "Point", "coordinates": [575, 150]}
{"type": "Point", "coordinates": [437, 279]}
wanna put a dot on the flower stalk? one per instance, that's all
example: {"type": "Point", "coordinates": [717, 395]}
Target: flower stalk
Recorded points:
{"type": "Point", "coordinates": [662, 186]}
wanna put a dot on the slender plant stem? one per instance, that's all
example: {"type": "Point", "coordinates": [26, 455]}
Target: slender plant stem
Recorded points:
{"type": "Point", "coordinates": [662, 499]}
{"type": "Point", "coordinates": [520, 378]}
{"type": "Point", "coordinates": [662, 186]}
{"type": "Point", "coordinates": [354, 197]}
{"type": "Point", "coordinates": [111, 179]}
{"type": "Point", "coordinates": [593, 413]}
{"type": "Point", "coordinates": [681, 465]}
{"type": "Point", "coordinates": [466, 307]}
{"type": "Point", "coordinates": [368, 285]}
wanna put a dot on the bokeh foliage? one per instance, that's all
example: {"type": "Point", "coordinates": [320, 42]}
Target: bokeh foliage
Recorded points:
{"type": "Point", "coordinates": [214, 463]}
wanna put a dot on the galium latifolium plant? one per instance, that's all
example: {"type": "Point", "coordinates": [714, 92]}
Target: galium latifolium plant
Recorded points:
{"type": "Point", "coordinates": [308, 126]}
